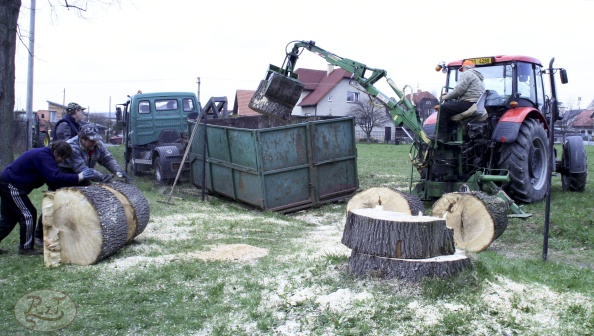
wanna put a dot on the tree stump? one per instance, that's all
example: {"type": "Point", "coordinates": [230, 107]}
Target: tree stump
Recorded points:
{"type": "Point", "coordinates": [408, 269]}
{"type": "Point", "coordinates": [136, 206]}
{"type": "Point", "coordinates": [82, 225]}
{"type": "Point", "coordinates": [389, 199]}
{"type": "Point", "coordinates": [477, 218]}
{"type": "Point", "coordinates": [396, 235]}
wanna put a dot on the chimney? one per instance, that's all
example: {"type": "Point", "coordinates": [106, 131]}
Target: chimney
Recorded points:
{"type": "Point", "coordinates": [330, 69]}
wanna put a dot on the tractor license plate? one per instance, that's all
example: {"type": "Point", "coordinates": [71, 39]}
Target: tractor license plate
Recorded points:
{"type": "Point", "coordinates": [482, 60]}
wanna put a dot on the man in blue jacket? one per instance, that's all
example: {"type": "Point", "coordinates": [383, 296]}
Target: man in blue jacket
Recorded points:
{"type": "Point", "coordinates": [29, 171]}
{"type": "Point", "coordinates": [69, 126]}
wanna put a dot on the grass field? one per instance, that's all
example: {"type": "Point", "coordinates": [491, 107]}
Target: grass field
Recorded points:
{"type": "Point", "coordinates": [220, 268]}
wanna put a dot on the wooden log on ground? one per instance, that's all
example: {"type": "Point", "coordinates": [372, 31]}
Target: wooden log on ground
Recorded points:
{"type": "Point", "coordinates": [477, 218]}
{"type": "Point", "coordinates": [389, 199]}
{"type": "Point", "coordinates": [82, 225]}
{"type": "Point", "coordinates": [396, 235]}
{"type": "Point", "coordinates": [136, 206]}
{"type": "Point", "coordinates": [408, 269]}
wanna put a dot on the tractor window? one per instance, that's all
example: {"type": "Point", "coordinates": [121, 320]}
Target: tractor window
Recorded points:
{"type": "Point", "coordinates": [144, 107]}
{"type": "Point", "coordinates": [498, 83]}
{"type": "Point", "coordinates": [539, 88]}
{"type": "Point", "coordinates": [526, 83]}
{"type": "Point", "coordinates": [188, 105]}
{"type": "Point", "coordinates": [166, 104]}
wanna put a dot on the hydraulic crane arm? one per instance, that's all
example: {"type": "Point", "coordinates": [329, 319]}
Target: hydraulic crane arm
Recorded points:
{"type": "Point", "coordinates": [402, 111]}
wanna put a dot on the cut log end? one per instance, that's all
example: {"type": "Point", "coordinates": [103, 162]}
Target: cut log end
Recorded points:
{"type": "Point", "coordinates": [82, 226]}
{"type": "Point", "coordinates": [477, 218]}
{"type": "Point", "coordinates": [396, 235]}
{"type": "Point", "coordinates": [408, 269]}
{"type": "Point", "coordinates": [387, 199]}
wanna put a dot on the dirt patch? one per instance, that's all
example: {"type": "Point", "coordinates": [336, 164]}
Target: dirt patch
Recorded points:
{"type": "Point", "coordinates": [232, 252]}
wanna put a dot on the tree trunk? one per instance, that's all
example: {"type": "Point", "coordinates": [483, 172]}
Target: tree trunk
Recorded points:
{"type": "Point", "coordinates": [136, 206]}
{"type": "Point", "coordinates": [9, 15]}
{"type": "Point", "coordinates": [82, 225]}
{"type": "Point", "coordinates": [408, 269]}
{"type": "Point", "coordinates": [388, 199]}
{"type": "Point", "coordinates": [477, 218]}
{"type": "Point", "coordinates": [396, 235]}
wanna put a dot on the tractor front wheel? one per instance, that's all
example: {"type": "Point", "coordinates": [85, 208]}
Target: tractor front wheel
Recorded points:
{"type": "Point", "coordinates": [526, 161]}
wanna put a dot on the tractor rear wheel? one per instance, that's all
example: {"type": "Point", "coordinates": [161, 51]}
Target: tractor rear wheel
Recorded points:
{"type": "Point", "coordinates": [526, 161]}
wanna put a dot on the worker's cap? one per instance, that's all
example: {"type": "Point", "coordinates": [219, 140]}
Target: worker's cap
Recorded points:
{"type": "Point", "coordinates": [467, 64]}
{"type": "Point", "coordinates": [90, 131]}
{"type": "Point", "coordinates": [73, 108]}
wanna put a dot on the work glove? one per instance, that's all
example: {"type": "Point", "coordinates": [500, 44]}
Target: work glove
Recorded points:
{"type": "Point", "coordinates": [122, 174]}
{"type": "Point", "coordinates": [90, 174]}
{"type": "Point", "coordinates": [106, 178]}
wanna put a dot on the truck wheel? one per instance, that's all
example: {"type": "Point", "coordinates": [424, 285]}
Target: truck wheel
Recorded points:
{"type": "Point", "coordinates": [159, 172]}
{"type": "Point", "coordinates": [132, 169]}
{"type": "Point", "coordinates": [574, 157]}
{"type": "Point", "coordinates": [526, 161]}
{"type": "Point", "coordinates": [43, 140]}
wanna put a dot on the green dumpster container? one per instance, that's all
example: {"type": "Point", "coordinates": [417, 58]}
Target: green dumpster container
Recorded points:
{"type": "Point", "coordinates": [277, 165]}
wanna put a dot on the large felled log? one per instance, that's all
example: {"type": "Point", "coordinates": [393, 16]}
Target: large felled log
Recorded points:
{"type": "Point", "coordinates": [396, 235]}
{"type": "Point", "coordinates": [389, 199]}
{"type": "Point", "coordinates": [136, 206]}
{"type": "Point", "coordinates": [408, 269]}
{"type": "Point", "coordinates": [477, 218]}
{"type": "Point", "coordinates": [82, 225]}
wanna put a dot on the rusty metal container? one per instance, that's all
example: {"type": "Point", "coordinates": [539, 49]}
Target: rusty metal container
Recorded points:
{"type": "Point", "coordinates": [277, 165]}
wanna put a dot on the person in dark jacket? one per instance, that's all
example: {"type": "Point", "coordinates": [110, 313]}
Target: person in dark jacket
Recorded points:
{"type": "Point", "coordinates": [29, 171]}
{"type": "Point", "coordinates": [87, 151]}
{"type": "Point", "coordinates": [68, 127]}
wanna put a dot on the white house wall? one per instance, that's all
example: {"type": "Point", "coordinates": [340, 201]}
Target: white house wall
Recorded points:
{"type": "Point", "coordinates": [337, 106]}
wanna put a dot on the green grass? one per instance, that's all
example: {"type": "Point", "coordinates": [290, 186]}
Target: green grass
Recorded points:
{"type": "Point", "coordinates": [155, 287]}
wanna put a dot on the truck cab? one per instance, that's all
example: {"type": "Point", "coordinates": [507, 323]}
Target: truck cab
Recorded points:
{"type": "Point", "coordinates": [155, 131]}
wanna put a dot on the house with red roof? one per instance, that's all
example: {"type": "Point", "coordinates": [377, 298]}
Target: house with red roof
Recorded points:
{"type": "Point", "coordinates": [326, 93]}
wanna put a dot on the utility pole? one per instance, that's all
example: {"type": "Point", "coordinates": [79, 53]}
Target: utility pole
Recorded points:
{"type": "Point", "coordinates": [109, 121]}
{"type": "Point", "coordinates": [30, 76]}
{"type": "Point", "coordinates": [198, 82]}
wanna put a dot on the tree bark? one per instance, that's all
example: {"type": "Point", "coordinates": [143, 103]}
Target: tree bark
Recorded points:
{"type": "Point", "coordinates": [477, 218]}
{"type": "Point", "coordinates": [396, 235]}
{"type": "Point", "coordinates": [9, 15]}
{"type": "Point", "coordinates": [82, 225]}
{"type": "Point", "coordinates": [408, 269]}
{"type": "Point", "coordinates": [388, 199]}
{"type": "Point", "coordinates": [136, 206]}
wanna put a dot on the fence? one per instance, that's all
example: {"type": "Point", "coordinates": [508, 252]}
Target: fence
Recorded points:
{"type": "Point", "coordinates": [384, 135]}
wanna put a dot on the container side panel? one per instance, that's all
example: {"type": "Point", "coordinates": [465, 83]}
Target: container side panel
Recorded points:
{"type": "Point", "coordinates": [337, 178]}
{"type": "Point", "coordinates": [218, 145]}
{"type": "Point", "coordinates": [249, 188]}
{"type": "Point", "coordinates": [333, 139]}
{"type": "Point", "coordinates": [222, 180]}
{"type": "Point", "coordinates": [283, 148]}
{"type": "Point", "coordinates": [242, 146]}
{"type": "Point", "coordinates": [196, 172]}
{"type": "Point", "coordinates": [286, 188]}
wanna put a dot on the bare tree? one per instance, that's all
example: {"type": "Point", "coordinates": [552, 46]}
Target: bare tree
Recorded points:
{"type": "Point", "coordinates": [369, 114]}
{"type": "Point", "coordinates": [9, 33]}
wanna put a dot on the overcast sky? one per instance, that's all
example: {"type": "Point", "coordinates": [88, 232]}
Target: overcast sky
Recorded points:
{"type": "Point", "coordinates": [152, 45]}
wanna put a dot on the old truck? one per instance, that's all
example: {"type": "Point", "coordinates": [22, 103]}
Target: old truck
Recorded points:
{"type": "Point", "coordinates": [508, 152]}
{"type": "Point", "coordinates": [155, 130]}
